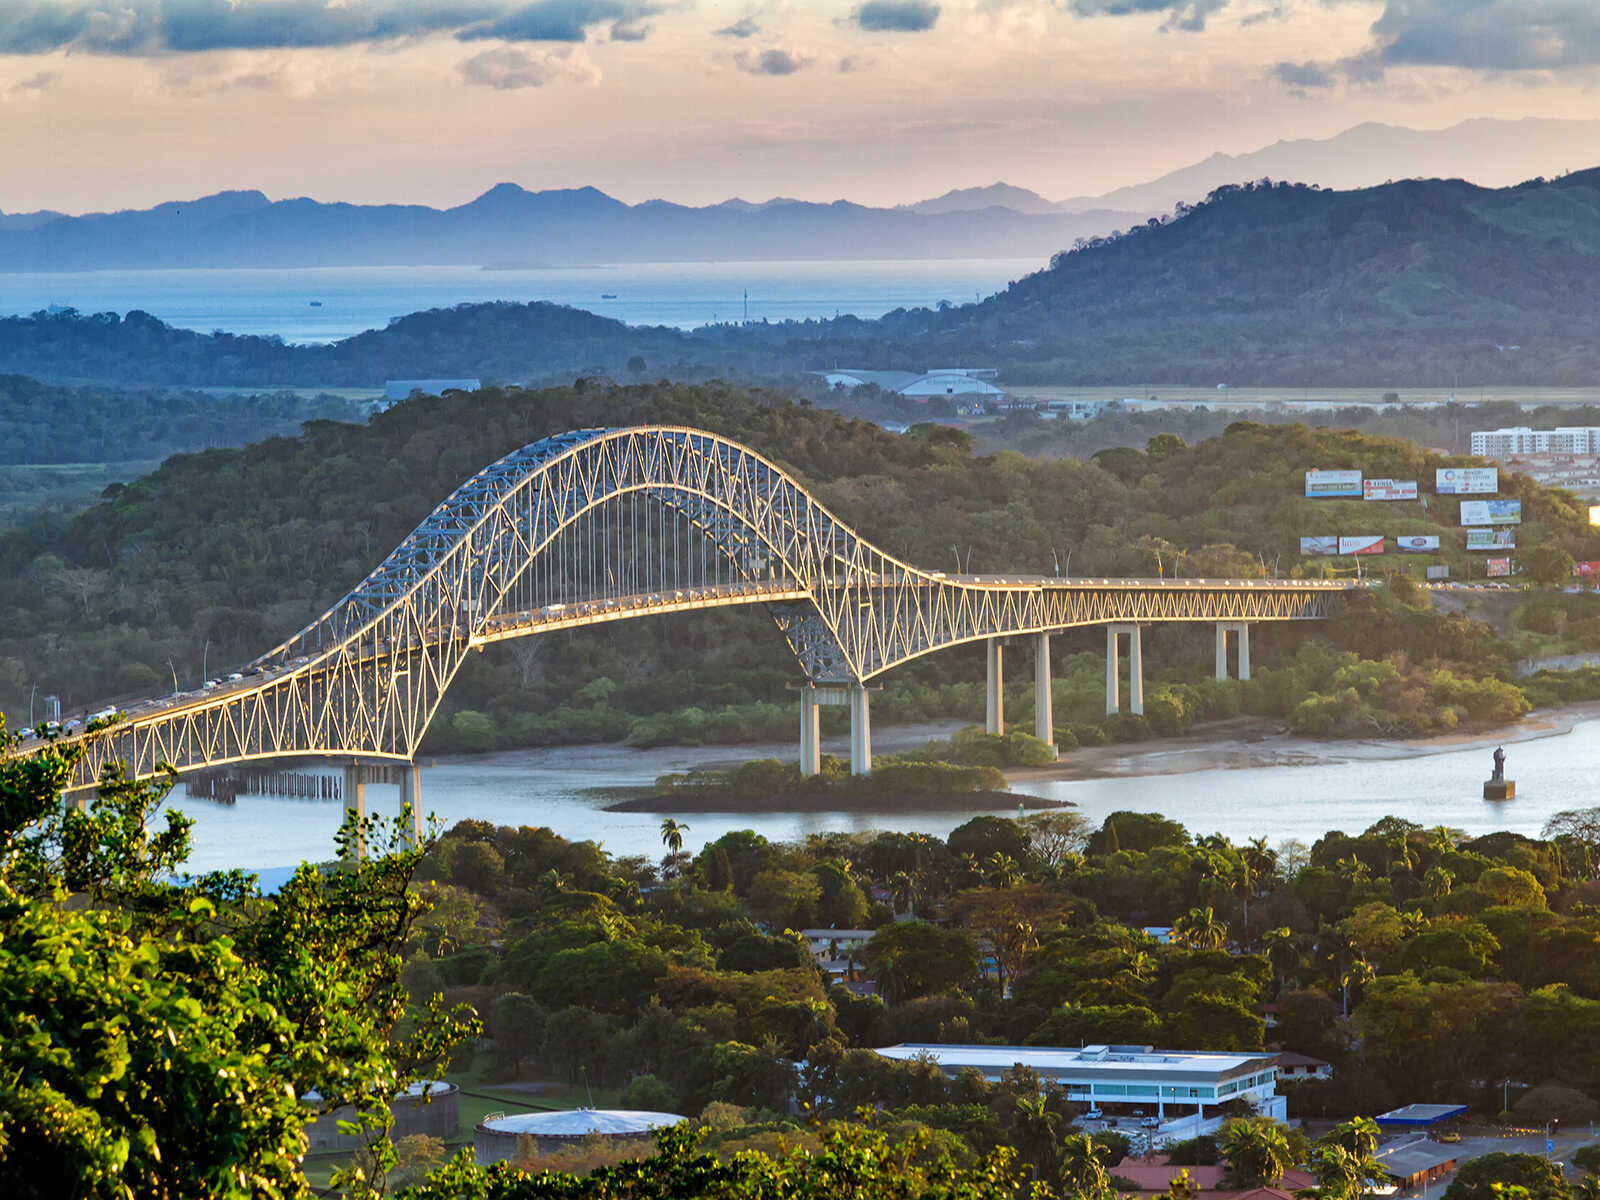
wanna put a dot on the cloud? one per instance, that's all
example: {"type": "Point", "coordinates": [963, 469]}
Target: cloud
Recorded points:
{"type": "Point", "coordinates": [1488, 36]}
{"type": "Point", "coordinates": [897, 16]}
{"type": "Point", "coordinates": [744, 27]}
{"type": "Point", "coordinates": [770, 62]}
{"type": "Point", "coordinates": [39, 82]}
{"type": "Point", "coordinates": [159, 27]}
{"type": "Point", "coordinates": [1187, 15]}
{"type": "Point", "coordinates": [509, 68]}
{"type": "Point", "coordinates": [1299, 78]}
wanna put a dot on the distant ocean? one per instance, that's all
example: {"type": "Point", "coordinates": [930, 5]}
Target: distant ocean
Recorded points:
{"type": "Point", "coordinates": [324, 304]}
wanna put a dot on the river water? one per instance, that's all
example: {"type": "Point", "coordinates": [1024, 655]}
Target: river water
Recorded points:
{"type": "Point", "coordinates": [1344, 786]}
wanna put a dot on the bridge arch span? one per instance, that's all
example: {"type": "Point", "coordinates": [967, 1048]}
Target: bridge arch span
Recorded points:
{"type": "Point", "coordinates": [492, 561]}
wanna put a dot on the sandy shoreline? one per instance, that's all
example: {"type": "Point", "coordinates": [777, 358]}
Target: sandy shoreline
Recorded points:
{"type": "Point", "coordinates": [1245, 742]}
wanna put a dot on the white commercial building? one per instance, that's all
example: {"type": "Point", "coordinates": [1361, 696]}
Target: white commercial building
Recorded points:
{"type": "Point", "coordinates": [1509, 442]}
{"type": "Point", "coordinates": [921, 385]}
{"type": "Point", "coordinates": [1170, 1082]}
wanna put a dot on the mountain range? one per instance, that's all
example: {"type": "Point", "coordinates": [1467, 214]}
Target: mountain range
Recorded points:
{"type": "Point", "coordinates": [1414, 283]}
{"type": "Point", "coordinates": [509, 226]}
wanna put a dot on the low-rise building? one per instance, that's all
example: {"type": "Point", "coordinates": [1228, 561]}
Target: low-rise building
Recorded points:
{"type": "Point", "coordinates": [1415, 1163]}
{"type": "Point", "coordinates": [967, 382]}
{"type": "Point", "coordinates": [1295, 1068]}
{"type": "Point", "coordinates": [1510, 441]}
{"type": "Point", "coordinates": [1176, 1084]}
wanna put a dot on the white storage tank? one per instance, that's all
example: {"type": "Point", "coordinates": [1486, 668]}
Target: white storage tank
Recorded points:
{"type": "Point", "coordinates": [495, 1139]}
{"type": "Point", "coordinates": [429, 1106]}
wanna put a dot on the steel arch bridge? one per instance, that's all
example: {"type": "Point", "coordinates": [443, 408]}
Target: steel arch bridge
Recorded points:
{"type": "Point", "coordinates": [608, 524]}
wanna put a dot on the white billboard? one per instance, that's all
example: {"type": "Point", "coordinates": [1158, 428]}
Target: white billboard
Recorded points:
{"type": "Point", "coordinates": [1491, 512]}
{"type": "Point", "coordinates": [1491, 539]}
{"type": "Point", "coordinates": [1363, 544]}
{"type": "Point", "coordinates": [1439, 572]}
{"type": "Point", "coordinates": [1319, 545]}
{"type": "Point", "coordinates": [1389, 489]}
{"type": "Point", "coordinates": [1321, 483]}
{"type": "Point", "coordinates": [1417, 543]}
{"type": "Point", "coordinates": [1466, 481]}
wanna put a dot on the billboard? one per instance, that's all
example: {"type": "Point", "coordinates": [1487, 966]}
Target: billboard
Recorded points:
{"type": "Point", "coordinates": [1491, 539]}
{"type": "Point", "coordinates": [1439, 572]}
{"type": "Point", "coordinates": [1594, 514]}
{"type": "Point", "coordinates": [1491, 512]}
{"type": "Point", "coordinates": [1364, 544]}
{"type": "Point", "coordinates": [1321, 483]}
{"type": "Point", "coordinates": [1497, 566]}
{"type": "Point", "coordinates": [1466, 481]}
{"type": "Point", "coordinates": [1587, 569]}
{"type": "Point", "coordinates": [1417, 543]}
{"type": "Point", "coordinates": [1389, 489]}
{"type": "Point", "coordinates": [1319, 545]}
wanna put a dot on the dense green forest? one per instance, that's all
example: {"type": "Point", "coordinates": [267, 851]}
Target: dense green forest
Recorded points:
{"type": "Point", "coordinates": [171, 1035]}
{"type": "Point", "coordinates": [1411, 283]}
{"type": "Point", "coordinates": [216, 556]}
{"type": "Point", "coordinates": [43, 423]}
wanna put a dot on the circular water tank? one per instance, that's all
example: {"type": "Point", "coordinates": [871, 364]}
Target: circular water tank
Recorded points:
{"type": "Point", "coordinates": [429, 1106]}
{"type": "Point", "coordinates": [496, 1138]}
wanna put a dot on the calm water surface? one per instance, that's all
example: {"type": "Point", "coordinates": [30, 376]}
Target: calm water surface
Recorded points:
{"type": "Point", "coordinates": [565, 789]}
{"type": "Point", "coordinates": [354, 299]}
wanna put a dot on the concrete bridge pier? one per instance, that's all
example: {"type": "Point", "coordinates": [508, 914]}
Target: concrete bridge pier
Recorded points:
{"type": "Point", "coordinates": [1242, 629]}
{"type": "Point", "coordinates": [1114, 633]}
{"type": "Point", "coordinates": [994, 718]}
{"type": "Point", "coordinates": [355, 801]}
{"type": "Point", "coordinates": [812, 698]}
{"type": "Point", "coordinates": [411, 801]}
{"type": "Point", "coordinates": [860, 731]}
{"type": "Point", "coordinates": [1044, 723]}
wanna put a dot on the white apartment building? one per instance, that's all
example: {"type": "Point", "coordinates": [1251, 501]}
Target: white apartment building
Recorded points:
{"type": "Point", "coordinates": [1512, 441]}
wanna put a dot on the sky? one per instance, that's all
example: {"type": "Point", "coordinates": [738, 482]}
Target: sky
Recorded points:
{"type": "Point", "coordinates": [109, 104]}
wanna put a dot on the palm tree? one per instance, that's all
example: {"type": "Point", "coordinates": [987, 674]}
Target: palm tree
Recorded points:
{"type": "Point", "coordinates": [1003, 872]}
{"type": "Point", "coordinates": [1257, 1151]}
{"type": "Point", "coordinates": [1200, 929]}
{"type": "Point", "coordinates": [672, 834]}
{"type": "Point", "coordinates": [1283, 952]}
{"type": "Point", "coordinates": [903, 891]}
{"type": "Point", "coordinates": [1033, 1133]}
{"type": "Point", "coordinates": [1083, 1167]}
{"type": "Point", "coordinates": [1357, 974]}
{"type": "Point", "coordinates": [1436, 883]}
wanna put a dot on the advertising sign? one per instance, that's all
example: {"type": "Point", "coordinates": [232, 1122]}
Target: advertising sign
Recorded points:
{"type": "Point", "coordinates": [1587, 569]}
{"type": "Point", "coordinates": [1418, 543]}
{"type": "Point", "coordinates": [1491, 539]}
{"type": "Point", "coordinates": [1439, 572]}
{"type": "Point", "coordinates": [1497, 566]}
{"type": "Point", "coordinates": [1466, 481]}
{"type": "Point", "coordinates": [1365, 544]}
{"type": "Point", "coordinates": [1320, 484]}
{"type": "Point", "coordinates": [1594, 514]}
{"type": "Point", "coordinates": [1319, 545]}
{"type": "Point", "coordinates": [1491, 512]}
{"type": "Point", "coordinates": [1389, 489]}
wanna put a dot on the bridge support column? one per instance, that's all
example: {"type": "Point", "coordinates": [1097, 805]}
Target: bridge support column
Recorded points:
{"type": "Point", "coordinates": [355, 801]}
{"type": "Point", "coordinates": [994, 720]}
{"type": "Point", "coordinates": [1242, 629]}
{"type": "Point", "coordinates": [1114, 668]}
{"type": "Point", "coordinates": [810, 732]}
{"type": "Point", "coordinates": [1113, 672]}
{"type": "Point", "coordinates": [411, 800]}
{"type": "Point", "coordinates": [1044, 723]}
{"type": "Point", "coordinates": [860, 731]}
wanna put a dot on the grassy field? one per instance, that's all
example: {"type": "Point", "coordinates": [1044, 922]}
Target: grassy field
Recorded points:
{"type": "Point", "coordinates": [1216, 397]}
{"type": "Point", "coordinates": [65, 485]}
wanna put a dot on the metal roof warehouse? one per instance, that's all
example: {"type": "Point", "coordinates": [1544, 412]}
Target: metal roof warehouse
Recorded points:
{"type": "Point", "coordinates": [1119, 1074]}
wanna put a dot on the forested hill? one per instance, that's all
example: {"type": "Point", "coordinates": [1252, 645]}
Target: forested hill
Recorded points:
{"type": "Point", "coordinates": [238, 548]}
{"type": "Point", "coordinates": [1416, 283]}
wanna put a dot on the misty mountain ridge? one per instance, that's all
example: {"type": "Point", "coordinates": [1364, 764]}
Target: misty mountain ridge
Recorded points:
{"type": "Point", "coordinates": [508, 223]}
